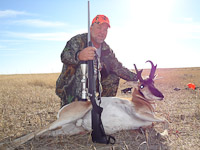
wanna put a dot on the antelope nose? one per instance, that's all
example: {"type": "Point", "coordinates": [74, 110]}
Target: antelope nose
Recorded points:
{"type": "Point", "coordinates": [161, 96]}
{"type": "Point", "coordinates": [156, 92]}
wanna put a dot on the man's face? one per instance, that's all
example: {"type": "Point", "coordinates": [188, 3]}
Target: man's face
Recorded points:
{"type": "Point", "coordinates": [99, 32]}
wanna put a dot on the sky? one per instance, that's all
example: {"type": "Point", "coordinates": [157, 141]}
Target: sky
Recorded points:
{"type": "Point", "coordinates": [33, 33]}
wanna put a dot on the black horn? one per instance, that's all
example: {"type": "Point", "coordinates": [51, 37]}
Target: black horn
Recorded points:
{"type": "Point", "coordinates": [153, 70]}
{"type": "Point", "coordinates": [139, 73]}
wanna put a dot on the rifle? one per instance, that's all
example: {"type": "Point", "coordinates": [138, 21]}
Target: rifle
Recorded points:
{"type": "Point", "coordinates": [98, 133]}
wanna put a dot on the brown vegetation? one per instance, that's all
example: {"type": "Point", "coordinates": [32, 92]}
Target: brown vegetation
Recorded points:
{"type": "Point", "coordinates": [29, 102]}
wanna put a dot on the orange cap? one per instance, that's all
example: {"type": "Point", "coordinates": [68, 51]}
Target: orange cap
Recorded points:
{"type": "Point", "coordinates": [99, 19]}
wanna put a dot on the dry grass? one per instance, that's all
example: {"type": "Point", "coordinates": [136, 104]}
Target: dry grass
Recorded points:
{"type": "Point", "coordinates": [28, 102]}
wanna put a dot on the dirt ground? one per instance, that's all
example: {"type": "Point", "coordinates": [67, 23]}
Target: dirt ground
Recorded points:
{"type": "Point", "coordinates": [29, 102]}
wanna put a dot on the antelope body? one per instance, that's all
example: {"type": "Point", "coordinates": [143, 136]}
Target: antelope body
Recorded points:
{"type": "Point", "coordinates": [118, 114]}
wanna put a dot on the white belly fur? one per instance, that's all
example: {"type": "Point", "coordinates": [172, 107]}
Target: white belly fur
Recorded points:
{"type": "Point", "coordinates": [118, 114]}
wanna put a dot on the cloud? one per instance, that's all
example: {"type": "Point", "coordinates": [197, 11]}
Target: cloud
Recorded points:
{"type": "Point", "coordinates": [40, 23]}
{"type": "Point", "coordinates": [188, 19]}
{"type": "Point", "coordinates": [12, 13]}
{"type": "Point", "coordinates": [9, 45]}
{"type": "Point", "coordinates": [185, 30]}
{"type": "Point", "coordinates": [8, 49]}
{"type": "Point", "coordinates": [54, 36]}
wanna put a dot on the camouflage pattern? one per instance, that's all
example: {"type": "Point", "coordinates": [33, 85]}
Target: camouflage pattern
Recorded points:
{"type": "Point", "coordinates": [110, 85]}
{"type": "Point", "coordinates": [68, 85]}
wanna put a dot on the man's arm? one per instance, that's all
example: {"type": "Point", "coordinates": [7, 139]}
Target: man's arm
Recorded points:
{"type": "Point", "coordinates": [68, 55]}
{"type": "Point", "coordinates": [76, 50]}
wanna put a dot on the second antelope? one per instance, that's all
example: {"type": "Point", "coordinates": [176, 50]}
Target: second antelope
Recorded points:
{"type": "Point", "coordinates": [118, 114]}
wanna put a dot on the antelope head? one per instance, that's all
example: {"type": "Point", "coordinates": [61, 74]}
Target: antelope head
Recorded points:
{"type": "Point", "coordinates": [146, 86]}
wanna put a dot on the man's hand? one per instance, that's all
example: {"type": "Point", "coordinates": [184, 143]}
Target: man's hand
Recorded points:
{"type": "Point", "coordinates": [87, 53]}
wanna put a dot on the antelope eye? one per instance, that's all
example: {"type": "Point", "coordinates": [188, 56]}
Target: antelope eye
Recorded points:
{"type": "Point", "coordinates": [142, 86]}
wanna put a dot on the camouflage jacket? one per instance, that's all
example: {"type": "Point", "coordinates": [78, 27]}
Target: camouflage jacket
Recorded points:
{"type": "Point", "coordinates": [69, 81]}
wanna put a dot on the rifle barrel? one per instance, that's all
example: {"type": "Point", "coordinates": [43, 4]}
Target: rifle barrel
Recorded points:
{"type": "Point", "coordinates": [88, 22]}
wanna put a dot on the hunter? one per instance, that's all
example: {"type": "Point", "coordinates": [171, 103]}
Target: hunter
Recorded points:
{"type": "Point", "coordinates": [68, 85]}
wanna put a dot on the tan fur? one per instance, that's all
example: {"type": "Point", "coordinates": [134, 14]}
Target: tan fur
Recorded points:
{"type": "Point", "coordinates": [140, 103]}
{"type": "Point", "coordinates": [73, 108]}
{"type": "Point", "coordinates": [144, 108]}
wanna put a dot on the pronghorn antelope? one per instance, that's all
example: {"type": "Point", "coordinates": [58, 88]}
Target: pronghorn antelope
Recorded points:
{"type": "Point", "coordinates": [118, 114]}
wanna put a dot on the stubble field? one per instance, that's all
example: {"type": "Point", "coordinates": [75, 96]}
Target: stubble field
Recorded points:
{"type": "Point", "coordinates": [29, 102]}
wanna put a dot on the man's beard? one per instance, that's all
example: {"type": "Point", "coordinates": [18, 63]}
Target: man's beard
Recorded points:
{"type": "Point", "coordinates": [99, 40]}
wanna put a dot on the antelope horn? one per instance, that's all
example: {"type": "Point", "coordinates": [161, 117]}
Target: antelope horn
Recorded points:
{"type": "Point", "coordinates": [153, 70]}
{"type": "Point", "coordinates": [139, 73]}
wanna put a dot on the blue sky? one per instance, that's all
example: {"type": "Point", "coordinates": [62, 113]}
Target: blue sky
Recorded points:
{"type": "Point", "coordinates": [33, 33]}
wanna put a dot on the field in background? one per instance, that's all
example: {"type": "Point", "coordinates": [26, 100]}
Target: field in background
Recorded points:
{"type": "Point", "coordinates": [29, 102]}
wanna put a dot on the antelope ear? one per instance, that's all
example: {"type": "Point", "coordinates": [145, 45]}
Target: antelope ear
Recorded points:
{"type": "Point", "coordinates": [139, 73]}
